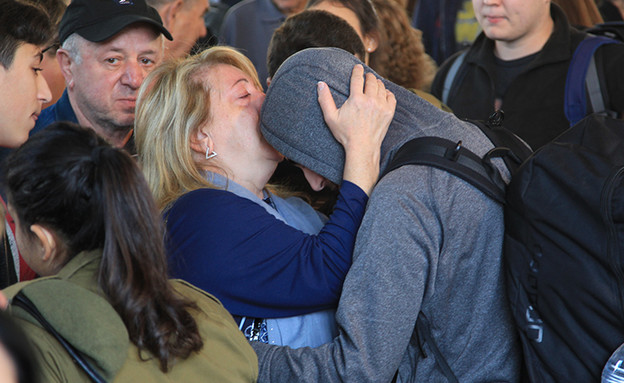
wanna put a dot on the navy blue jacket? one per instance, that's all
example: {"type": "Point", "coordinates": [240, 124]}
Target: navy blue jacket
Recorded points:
{"type": "Point", "coordinates": [257, 265]}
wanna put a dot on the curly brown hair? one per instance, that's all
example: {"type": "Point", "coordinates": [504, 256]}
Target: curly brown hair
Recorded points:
{"type": "Point", "coordinates": [401, 56]}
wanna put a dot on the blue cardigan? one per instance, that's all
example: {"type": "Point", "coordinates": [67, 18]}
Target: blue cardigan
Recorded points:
{"type": "Point", "coordinates": [256, 264]}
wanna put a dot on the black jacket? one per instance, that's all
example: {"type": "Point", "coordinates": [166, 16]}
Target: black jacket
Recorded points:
{"type": "Point", "coordinates": [534, 101]}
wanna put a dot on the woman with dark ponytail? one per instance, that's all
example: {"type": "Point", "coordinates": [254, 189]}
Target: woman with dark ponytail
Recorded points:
{"type": "Point", "coordinates": [85, 219]}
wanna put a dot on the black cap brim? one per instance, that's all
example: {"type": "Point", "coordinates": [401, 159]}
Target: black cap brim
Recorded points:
{"type": "Point", "coordinates": [97, 32]}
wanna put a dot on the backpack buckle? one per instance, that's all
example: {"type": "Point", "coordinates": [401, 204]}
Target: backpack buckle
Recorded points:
{"type": "Point", "coordinates": [453, 153]}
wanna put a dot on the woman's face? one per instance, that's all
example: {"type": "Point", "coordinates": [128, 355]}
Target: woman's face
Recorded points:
{"type": "Point", "coordinates": [343, 12]}
{"type": "Point", "coordinates": [336, 9]}
{"type": "Point", "coordinates": [234, 126]}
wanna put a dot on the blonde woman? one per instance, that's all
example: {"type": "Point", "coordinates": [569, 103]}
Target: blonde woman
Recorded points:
{"type": "Point", "coordinates": [271, 261]}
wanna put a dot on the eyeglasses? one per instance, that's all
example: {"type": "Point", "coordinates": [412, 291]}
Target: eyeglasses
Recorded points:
{"type": "Point", "coordinates": [54, 47]}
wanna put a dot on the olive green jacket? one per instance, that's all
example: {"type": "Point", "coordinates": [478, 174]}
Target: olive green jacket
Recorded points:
{"type": "Point", "coordinates": [73, 304]}
{"type": "Point", "coordinates": [433, 100]}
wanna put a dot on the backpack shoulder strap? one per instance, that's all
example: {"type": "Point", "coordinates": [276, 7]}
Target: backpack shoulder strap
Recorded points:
{"type": "Point", "coordinates": [511, 148]}
{"type": "Point", "coordinates": [22, 301]}
{"type": "Point", "coordinates": [454, 158]}
{"type": "Point", "coordinates": [611, 29]}
{"type": "Point", "coordinates": [451, 75]}
{"type": "Point", "coordinates": [583, 77]}
{"type": "Point", "coordinates": [96, 338]}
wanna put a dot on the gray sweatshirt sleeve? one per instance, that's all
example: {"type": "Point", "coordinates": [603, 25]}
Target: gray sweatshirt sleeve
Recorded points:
{"type": "Point", "coordinates": [396, 249]}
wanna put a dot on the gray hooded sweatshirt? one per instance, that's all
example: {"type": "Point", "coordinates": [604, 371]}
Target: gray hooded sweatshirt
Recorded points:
{"type": "Point", "coordinates": [429, 242]}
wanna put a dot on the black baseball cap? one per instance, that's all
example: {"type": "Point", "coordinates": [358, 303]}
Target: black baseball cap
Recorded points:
{"type": "Point", "coordinates": [99, 20]}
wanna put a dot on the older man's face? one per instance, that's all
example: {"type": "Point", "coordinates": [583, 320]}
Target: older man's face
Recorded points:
{"type": "Point", "coordinates": [106, 79]}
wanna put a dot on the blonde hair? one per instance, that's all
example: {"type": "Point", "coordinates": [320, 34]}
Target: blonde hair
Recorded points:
{"type": "Point", "coordinates": [173, 104]}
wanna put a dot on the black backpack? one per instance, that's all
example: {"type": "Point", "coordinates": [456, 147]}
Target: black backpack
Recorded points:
{"type": "Point", "coordinates": [564, 239]}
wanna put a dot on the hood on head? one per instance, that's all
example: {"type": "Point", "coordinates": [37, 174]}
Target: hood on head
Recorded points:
{"type": "Point", "coordinates": [292, 121]}
{"type": "Point", "coordinates": [291, 117]}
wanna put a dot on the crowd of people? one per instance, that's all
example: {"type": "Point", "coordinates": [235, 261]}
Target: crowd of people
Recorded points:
{"type": "Point", "coordinates": [230, 215]}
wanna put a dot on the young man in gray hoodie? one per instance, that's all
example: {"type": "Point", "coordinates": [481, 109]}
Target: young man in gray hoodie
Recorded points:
{"type": "Point", "coordinates": [429, 242]}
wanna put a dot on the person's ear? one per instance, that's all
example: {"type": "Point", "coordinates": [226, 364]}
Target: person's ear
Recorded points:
{"type": "Point", "coordinates": [47, 240]}
{"type": "Point", "coordinates": [201, 142]}
{"type": "Point", "coordinates": [268, 81]}
{"type": "Point", "coordinates": [371, 43]}
{"type": "Point", "coordinates": [168, 13]}
{"type": "Point", "coordinates": [65, 61]}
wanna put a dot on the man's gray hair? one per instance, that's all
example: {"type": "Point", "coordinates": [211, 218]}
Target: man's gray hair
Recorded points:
{"type": "Point", "coordinates": [73, 45]}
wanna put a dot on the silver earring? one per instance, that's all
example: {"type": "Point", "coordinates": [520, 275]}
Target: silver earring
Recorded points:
{"type": "Point", "coordinates": [210, 154]}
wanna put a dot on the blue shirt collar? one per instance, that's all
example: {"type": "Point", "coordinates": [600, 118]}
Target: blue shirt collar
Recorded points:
{"type": "Point", "coordinates": [64, 110]}
{"type": "Point", "coordinates": [231, 186]}
{"type": "Point", "coordinates": [59, 111]}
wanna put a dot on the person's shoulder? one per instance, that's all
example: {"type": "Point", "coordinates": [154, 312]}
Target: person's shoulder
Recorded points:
{"type": "Point", "coordinates": [195, 205]}
{"type": "Point", "coordinates": [433, 100]}
{"type": "Point", "coordinates": [453, 62]}
{"type": "Point", "coordinates": [83, 318]}
{"type": "Point", "coordinates": [60, 111]}
{"type": "Point", "coordinates": [401, 183]}
{"type": "Point", "coordinates": [613, 51]}
{"type": "Point", "coordinates": [212, 313]}
{"type": "Point", "coordinates": [236, 21]}
{"type": "Point", "coordinates": [576, 36]}
{"type": "Point", "coordinates": [195, 294]}
{"type": "Point", "coordinates": [242, 9]}
{"type": "Point", "coordinates": [201, 197]}
{"type": "Point", "coordinates": [226, 354]}
{"type": "Point", "coordinates": [47, 116]}
{"type": "Point", "coordinates": [417, 184]}
{"type": "Point", "coordinates": [53, 361]}
{"type": "Point", "coordinates": [84, 305]}
{"type": "Point", "coordinates": [610, 54]}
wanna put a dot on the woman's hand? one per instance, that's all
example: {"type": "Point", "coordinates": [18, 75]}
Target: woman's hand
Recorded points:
{"type": "Point", "coordinates": [360, 125]}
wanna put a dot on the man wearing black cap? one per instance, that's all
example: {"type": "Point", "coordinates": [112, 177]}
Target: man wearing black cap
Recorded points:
{"type": "Point", "coordinates": [107, 49]}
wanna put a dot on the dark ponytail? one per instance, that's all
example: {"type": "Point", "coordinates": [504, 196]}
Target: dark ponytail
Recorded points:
{"type": "Point", "coordinates": [94, 196]}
